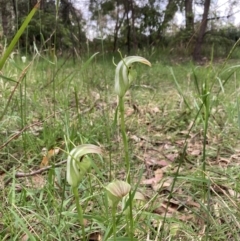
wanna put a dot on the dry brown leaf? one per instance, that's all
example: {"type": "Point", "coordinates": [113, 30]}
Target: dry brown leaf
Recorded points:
{"type": "Point", "coordinates": [24, 237]}
{"type": "Point", "coordinates": [196, 152]}
{"type": "Point", "coordinates": [96, 236]}
{"type": "Point", "coordinates": [95, 95]}
{"type": "Point", "coordinates": [37, 181]}
{"type": "Point", "coordinates": [85, 222]}
{"type": "Point", "coordinates": [129, 111]}
{"type": "Point", "coordinates": [46, 159]}
{"type": "Point", "coordinates": [191, 203]}
{"type": "Point", "coordinates": [2, 181]}
{"type": "Point", "coordinates": [233, 193]}
{"type": "Point", "coordinates": [44, 162]}
{"type": "Point", "coordinates": [158, 176]}
{"type": "Point", "coordinates": [172, 156]}
{"type": "Point", "coordinates": [165, 207]}
{"type": "Point", "coordinates": [135, 138]}
{"type": "Point", "coordinates": [224, 161]}
{"type": "Point", "coordinates": [235, 156]}
{"type": "Point", "coordinates": [154, 110]}
{"type": "Point", "coordinates": [153, 162]}
{"type": "Point", "coordinates": [186, 218]}
{"type": "Point", "coordinates": [162, 185]}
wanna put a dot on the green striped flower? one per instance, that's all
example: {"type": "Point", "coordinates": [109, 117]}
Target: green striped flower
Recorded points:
{"type": "Point", "coordinates": [124, 74]}
{"type": "Point", "coordinates": [78, 164]}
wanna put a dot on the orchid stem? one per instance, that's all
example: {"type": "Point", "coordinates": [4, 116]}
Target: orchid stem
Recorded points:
{"type": "Point", "coordinates": [127, 160]}
{"type": "Point", "coordinates": [125, 139]}
{"type": "Point", "coordinates": [79, 210]}
{"type": "Point", "coordinates": [114, 209]}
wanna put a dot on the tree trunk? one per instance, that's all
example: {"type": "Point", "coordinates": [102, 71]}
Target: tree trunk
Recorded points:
{"type": "Point", "coordinates": [189, 15]}
{"type": "Point", "coordinates": [128, 28]}
{"type": "Point", "coordinates": [117, 27]}
{"type": "Point", "coordinates": [133, 27]}
{"type": "Point", "coordinates": [202, 30]}
{"type": "Point", "coordinates": [128, 36]}
{"type": "Point", "coordinates": [170, 11]}
{"type": "Point", "coordinates": [65, 11]}
{"type": "Point", "coordinates": [6, 17]}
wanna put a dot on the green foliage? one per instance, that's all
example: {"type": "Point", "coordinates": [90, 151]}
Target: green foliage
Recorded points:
{"type": "Point", "coordinates": [82, 107]}
{"type": "Point", "coordinates": [67, 27]}
{"type": "Point", "coordinates": [107, 7]}
{"type": "Point", "coordinates": [18, 35]}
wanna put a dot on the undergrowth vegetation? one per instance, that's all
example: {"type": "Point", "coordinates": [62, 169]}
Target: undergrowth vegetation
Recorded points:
{"type": "Point", "coordinates": [182, 126]}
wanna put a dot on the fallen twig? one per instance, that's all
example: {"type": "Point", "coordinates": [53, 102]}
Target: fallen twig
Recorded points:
{"type": "Point", "coordinates": [19, 133]}
{"type": "Point", "coordinates": [39, 171]}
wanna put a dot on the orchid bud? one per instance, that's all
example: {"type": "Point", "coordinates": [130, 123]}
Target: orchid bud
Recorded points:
{"type": "Point", "coordinates": [116, 191]}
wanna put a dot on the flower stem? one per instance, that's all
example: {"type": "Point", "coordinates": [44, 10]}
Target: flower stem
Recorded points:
{"type": "Point", "coordinates": [125, 140]}
{"type": "Point", "coordinates": [79, 210]}
{"type": "Point", "coordinates": [114, 209]}
{"type": "Point", "coordinates": [127, 161]}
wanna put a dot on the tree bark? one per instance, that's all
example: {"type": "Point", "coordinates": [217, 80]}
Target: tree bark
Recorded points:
{"type": "Point", "coordinates": [117, 27]}
{"type": "Point", "coordinates": [189, 15]}
{"type": "Point", "coordinates": [6, 17]}
{"type": "Point", "coordinates": [202, 30]}
{"type": "Point", "coordinates": [128, 28]}
{"type": "Point", "coordinates": [170, 11]}
{"type": "Point", "coordinates": [133, 27]}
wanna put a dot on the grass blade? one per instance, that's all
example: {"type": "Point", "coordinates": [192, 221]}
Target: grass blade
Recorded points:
{"type": "Point", "coordinates": [18, 35]}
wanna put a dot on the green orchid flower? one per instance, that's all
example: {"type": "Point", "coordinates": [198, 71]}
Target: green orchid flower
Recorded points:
{"type": "Point", "coordinates": [78, 164]}
{"type": "Point", "coordinates": [124, 74]}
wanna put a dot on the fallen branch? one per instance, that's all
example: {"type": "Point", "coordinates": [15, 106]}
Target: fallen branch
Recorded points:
{"type": "Point", "coordinates": [39, 171]}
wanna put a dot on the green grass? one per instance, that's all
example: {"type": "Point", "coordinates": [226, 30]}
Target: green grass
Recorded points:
{"type": "Point", "coordinates": [64, 104]}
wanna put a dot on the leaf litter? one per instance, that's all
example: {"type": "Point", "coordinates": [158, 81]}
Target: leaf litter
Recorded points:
{"type": "Point", "coordinates": [157, 145]}
{"type": "Point", "coordinates": [161, 154]}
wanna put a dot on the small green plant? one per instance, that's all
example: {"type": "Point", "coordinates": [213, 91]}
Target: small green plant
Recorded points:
{"type": "Point", "coordinates": [78, 165]}
{"type": "Point", "coordinates": [116, 191]}
{"type": "Point", "coordinates": [18, 35]}
{"type": "Point", "coordinates": [124, 76]}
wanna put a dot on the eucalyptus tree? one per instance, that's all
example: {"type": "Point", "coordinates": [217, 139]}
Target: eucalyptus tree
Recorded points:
{"type": "Point", "coordinates": [201, 32]}
{"type": "Point", "coordinates": [150, 23]}
{"type": "Point", "coordinates": [131, 20]}
{"type": "Point", "coordinates": [189, 16]}
{"type": "Point", "coordinates": [63, 21]}
{"type": "Point", "coordinates": [118, 15]}
{"type": "Point", "coordinates": [6, 12]}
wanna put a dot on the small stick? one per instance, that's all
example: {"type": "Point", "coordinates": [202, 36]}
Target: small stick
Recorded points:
{"type": "Point", "coordinates": [39, 171]}
{"type": "Point", "coordinates": [19, 133]}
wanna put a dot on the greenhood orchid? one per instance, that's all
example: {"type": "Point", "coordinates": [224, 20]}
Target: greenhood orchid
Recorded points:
{"type": "Point", "coordinates": [116, 191]}
{"type": "Point", "coordinates": [124, 75]}
{"type": "Point", "coordinates": [78, 164]}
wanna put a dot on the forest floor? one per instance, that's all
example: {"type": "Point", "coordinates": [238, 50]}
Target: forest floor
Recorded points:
{"type": "Point", "coordinates": [182, 123]}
